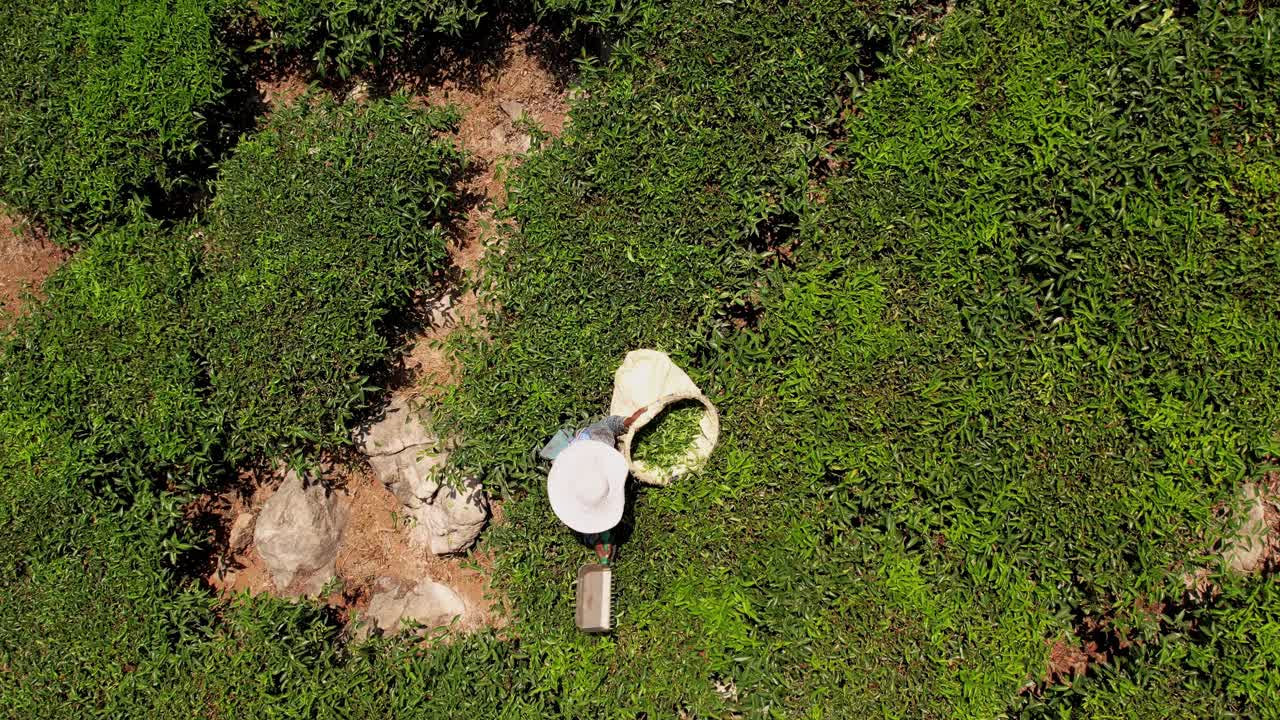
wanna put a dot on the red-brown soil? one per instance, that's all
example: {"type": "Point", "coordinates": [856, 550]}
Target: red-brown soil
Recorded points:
{"type": "Point", "coordinates": [26, 259]}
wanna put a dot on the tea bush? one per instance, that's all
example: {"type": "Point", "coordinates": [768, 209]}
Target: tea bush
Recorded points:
{"type": "Point", "coordinates": [100, 388]}
{"type": "Point", "coordinates": [164, 354]}
{"type": "Point", "coordinates": [610, 16]}
{"type": "Point", "coordinates": [990, 338]}
{"type": "Point", "coordinates": [982, 294]}
{"type": "Point", "coordinates": [347, 36]}
{"type": "Point", "coordinates": [166, 349]}
{"type": "Point", "coordinates": [104, 101]}
{"type": "Point", "coordinates": [322, 225]}
{"type": "Point", "coordinates": [110, 361]}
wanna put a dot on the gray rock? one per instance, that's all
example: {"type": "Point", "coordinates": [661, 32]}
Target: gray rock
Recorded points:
{"type": "Point", "coordinates": [398, 428]}
{"type": "Point", "coordinates": [395, 604]}
{"type": "Point", "coordinates": [452, 520]}
{"type": "Point", "coordinates": [410, 461]}
{"type": "Point", "coordinates": [440, 309]}
{"type": "Point", "coordinates": [359, 92]}
{"type": "Point", "coordinates": [1247, 550]}
{"type": "Point", "coordinates": [498, 138]}
{"type": "Point", "coordinates": [513, 109]}
{"type": "Point", "coordinates": [412, 475]}
{"type": "Point", "coordinates": [241, 532]}
{"type": "Point", "coordinates": [297, 534]}
{"type": "Point", "coordinates": [506, 139]}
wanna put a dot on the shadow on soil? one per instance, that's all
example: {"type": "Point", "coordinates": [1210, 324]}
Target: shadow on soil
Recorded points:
{"type": "Point", "coordinates": [478, 53]}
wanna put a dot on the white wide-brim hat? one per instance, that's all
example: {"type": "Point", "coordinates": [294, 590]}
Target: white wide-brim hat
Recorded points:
{"type": "Point", "coordinates": [586, 486]}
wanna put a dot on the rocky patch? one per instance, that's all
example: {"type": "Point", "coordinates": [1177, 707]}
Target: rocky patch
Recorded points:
{"type": "Point", "coordinates": [410, 461]}
{"type": "Point", "coordinates": [398, 513]}
{"type": "Point", "coordinates": [397, 605]}
{"type": "Point", "coordinates": [297, 535]}
{"type": "Point", "coordinates": [1255, 541]}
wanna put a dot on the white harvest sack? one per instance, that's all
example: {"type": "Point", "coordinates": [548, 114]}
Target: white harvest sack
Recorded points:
{"type": "Point", "coordinates": [648, 379]}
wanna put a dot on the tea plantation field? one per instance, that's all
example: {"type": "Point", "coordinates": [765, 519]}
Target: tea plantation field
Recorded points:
{"type": "Point", "coordinates": [985, 293]}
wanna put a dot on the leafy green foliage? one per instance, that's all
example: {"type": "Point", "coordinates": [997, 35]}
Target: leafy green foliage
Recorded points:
{"type": "Point", "coordinates": [161, 356]}
{"type": "Point", "coordinates": [1228, 647]}
{"type": "Point", "coordinates": [166, 351]}
{"type": "Point", "coordinates": [668, 437]}
{"type": "Point", "coordinates": [323, 224]}
{"type": "Point", "coordinates": [102, 101]}
{"type": "Point", "coordinates": [991, 337]}
{"type": "Point", "coordinates": [111, 362]}
{"type": "Point", "coordinates": [1122, 306]}
{"type": "Point", "coordinates": [610, 16]}
{"type": "Point", "coordinates": [349, 35]}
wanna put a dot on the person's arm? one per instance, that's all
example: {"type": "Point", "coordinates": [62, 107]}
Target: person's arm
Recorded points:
{"type": "Point", "coordinates": [608, 429]}
{"type": "Point", "coordinates": [626, 424]}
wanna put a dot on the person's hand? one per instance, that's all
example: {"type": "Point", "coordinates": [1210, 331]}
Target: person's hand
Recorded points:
{"type": "Point", "coordinates": [634, 416]}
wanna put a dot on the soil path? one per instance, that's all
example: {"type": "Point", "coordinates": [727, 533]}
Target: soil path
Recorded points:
{"type": "Point", "coordinates": [26, 259]}
{"type": "Point", "coordinates": [496, 100]}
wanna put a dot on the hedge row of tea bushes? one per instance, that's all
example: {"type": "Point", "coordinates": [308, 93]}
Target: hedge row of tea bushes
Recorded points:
{"type": "Point", "coordinates": [257, 328]}
{"type": "Point", "coordinates": [983, 294]}
{"type": "Point", "coordinates": [993, 337]}
{"type": "Point", "coordinates": [175, 345]}
{"type": "Point", "coordinates": [342, 37]}
{"type": "Point", "coordinates": [106, 103]}
{"type": "Point", "coordinates": [163, 356]}
{"type": "Point", "coordinates": [345, 36]}
{"type": "Point", "coordinates": [321, 226]}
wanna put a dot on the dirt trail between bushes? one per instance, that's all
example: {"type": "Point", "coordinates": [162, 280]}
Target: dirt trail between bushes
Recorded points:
{"type": "Point", "coordinates": [26, 259]}
{"type": "Point", "coordinates": [494, 105]}
{"type": "Point", "coordinates": [492, 95]}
